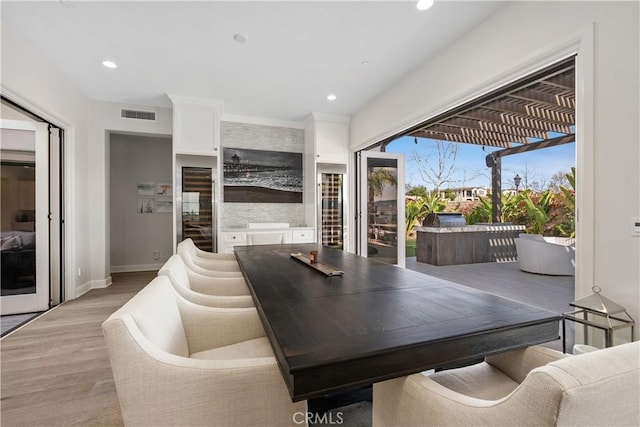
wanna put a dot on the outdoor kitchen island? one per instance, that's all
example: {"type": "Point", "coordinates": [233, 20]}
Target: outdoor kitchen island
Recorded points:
{"type": "Point", "coordinates": [466, 244]}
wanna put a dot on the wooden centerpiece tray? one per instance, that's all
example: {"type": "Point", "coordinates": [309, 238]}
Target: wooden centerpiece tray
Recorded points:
{"type": "Point", "coordinates": [325, 269]}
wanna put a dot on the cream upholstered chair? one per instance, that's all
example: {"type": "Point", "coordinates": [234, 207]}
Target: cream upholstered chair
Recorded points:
{"type": "Point", "coordinates": [208, 263]}
{"type": "Point", "coordinates": [209, 291]}
{"type": "Point", "coordinates": [204, 255]}
{"type": "Point", "coordinates": [176, 363]}
{"type": "Point", "coordinates": [546, 255]}
{"type": "Point", "coordinates": [209, 270]}
{"type": "Point", "coordinates": [530, 387]}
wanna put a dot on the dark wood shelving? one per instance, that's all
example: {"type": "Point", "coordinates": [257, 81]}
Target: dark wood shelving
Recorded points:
{"type": "Point", "coordinates": [197, 221]}
{"type": "Point", "coordinates": [331, 212]}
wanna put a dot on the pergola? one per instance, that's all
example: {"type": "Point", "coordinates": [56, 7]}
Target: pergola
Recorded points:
{"type": "Point", "coordinates": [535, 112]}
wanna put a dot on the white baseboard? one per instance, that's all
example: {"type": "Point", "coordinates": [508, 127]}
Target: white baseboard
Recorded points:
{"type": "Point", "coordinates": [134, 268]}
{"type": "Point", "coordinates": [93, 284]}
{"type": "Point", "coordinates": [83, 289]}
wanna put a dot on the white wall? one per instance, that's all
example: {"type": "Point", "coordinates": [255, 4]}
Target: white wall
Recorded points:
{"type": "Point", "coordinates": [518, 38]}
{"type": "Point", "coordinates": [135, 236]}
{"type": "Point", "coordinates": [35, 84]}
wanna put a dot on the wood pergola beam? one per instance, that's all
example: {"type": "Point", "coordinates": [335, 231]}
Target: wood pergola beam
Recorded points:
{"type": "Point", "coordinates": [547, 100]}
{"type": "Point", "coordinates": [473, 123]}
{"type": "Point", "coordinates": [477, 133]}
{"type": "Point", "coordinates": [518, 120]}
{"type": "Point", "coordinates": [508, 106]}
{"type": "Point", "coordinates": [459, 138]}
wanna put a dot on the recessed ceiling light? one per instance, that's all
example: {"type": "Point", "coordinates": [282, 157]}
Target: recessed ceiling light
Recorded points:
{"type": "Point", "coordinates": [332, 97]}
{"type": "Point", "coordinates": [364, 63]}
{"type": "Point", "coordinates": [109, 64]}
{"type": "Point", "coordinates": [240, 38]}
{"type": "Point", "coordinates": [424, 4]}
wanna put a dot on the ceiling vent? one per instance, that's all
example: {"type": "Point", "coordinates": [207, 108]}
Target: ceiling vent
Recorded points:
{"type": "Point", "coordinates": [138, 115]}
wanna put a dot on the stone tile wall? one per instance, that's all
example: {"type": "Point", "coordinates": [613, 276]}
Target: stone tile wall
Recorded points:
{"type": "Point", "coordinates": [261, 137]}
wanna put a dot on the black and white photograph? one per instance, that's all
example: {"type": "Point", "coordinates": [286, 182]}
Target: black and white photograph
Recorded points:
{"type": "Point", "coordinates": [146, 188]}
{"type": "Point", "coordinates": [259, 176]}
{"type": "Point", "coordinates": [146, 205]}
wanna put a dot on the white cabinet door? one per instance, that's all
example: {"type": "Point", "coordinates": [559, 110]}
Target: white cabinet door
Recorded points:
{"type": "Point", "coordinates": [332, 142]}
{"type": "Point", "coordinates": [196, 125]}
{"type": "Point", "coordinates": [196, 131]}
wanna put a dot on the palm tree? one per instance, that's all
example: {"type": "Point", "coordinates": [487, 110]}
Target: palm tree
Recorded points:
{"type": "Point", "coordinates": [377, 179]}
{"type": "Point", "coordinates": [417, 210]}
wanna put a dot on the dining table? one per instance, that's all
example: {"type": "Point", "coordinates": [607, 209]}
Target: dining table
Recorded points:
{"type": "Point", "coordinates": [347, 321]}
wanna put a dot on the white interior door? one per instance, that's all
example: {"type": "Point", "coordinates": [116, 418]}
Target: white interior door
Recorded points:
{"type": "Point", "coordinates": [25, 223]}
{"type": "Point", "coordinates": [381, 218]}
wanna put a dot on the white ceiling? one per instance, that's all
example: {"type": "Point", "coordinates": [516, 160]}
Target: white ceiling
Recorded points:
{"type": "Point", "coordinates": [296, 54]}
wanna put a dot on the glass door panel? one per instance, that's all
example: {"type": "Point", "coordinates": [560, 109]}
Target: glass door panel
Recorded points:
{"type": "Point", "coordinates": [382, 206]}
{"type": "Point", "coordinates": [25, 224]}
{"type": "Point", "coordinates": [198, 207]}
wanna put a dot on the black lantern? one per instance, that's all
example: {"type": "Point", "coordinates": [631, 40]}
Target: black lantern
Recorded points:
{"type": "Point", "coordinates": [516, 181]}
{"type": "Point", "coordinates": [599, 312]}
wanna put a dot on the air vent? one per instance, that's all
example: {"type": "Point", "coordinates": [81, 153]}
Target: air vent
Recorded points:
{"type": "Point", "coordinates": [138, 115]}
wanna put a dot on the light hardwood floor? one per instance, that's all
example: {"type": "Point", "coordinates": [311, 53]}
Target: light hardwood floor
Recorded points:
{"type": "Point", "coordinates": [55, 370]}
{"type": "Point", "coordinates": [13, 321]}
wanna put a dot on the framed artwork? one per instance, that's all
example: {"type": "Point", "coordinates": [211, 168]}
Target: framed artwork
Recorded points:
{"type": "Point", "coordinates": [146, 205]}
{"type": "Point", "coordinates": [146, 188]}
{"type": "Point", "coordinates": [164, 205]}
{"type": "Point", "coordinates": [259, 176]}
{"type": "Point", "coordinates": [164, 189]}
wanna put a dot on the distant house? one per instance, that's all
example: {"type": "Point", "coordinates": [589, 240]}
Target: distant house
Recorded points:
{"type": "Point", "coordinates": [465, 194]}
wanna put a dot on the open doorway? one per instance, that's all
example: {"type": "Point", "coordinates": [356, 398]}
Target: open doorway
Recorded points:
{"type": "Point", "coordinates": [141, 201]}
{"type": "Point", "coordinates": [481, 174]}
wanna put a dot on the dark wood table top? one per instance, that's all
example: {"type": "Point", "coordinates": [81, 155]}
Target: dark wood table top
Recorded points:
{"type": "Point", "coordinates": [377, 321]}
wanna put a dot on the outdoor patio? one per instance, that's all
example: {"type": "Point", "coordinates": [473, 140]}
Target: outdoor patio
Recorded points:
{"type": "Point", "coordinates": [553, 293]}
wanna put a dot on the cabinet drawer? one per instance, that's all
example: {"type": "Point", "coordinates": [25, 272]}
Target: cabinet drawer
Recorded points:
{"type": "Point", "coordinates": [303, 236]}
{"type": "Point", "coordinates": [235, 237]}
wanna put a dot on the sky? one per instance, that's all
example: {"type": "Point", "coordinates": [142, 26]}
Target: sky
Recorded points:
{"type": "Point", "coordinates": [470, 169]}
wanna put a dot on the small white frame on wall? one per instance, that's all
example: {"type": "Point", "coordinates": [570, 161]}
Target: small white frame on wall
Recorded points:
{"type": "Point", "coordinates": [164, 189]}
{"type": "Point", "coordinates": [146, 188]}
{"type": "Point", "coordinates": [146, 205]}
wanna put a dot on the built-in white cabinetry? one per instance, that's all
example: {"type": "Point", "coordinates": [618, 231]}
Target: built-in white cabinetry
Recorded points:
{"type": "Point", "coordinates": [229, 239]}
{"type": "Point", "coordinates": [328, 138]}
{"type": "Point", "coordinates": [196, 144]}
{"type": "Point", "coordinates": [196, 126]}
{"type": "Point", "coordinates": [239, 237]}
{"type": "Point", "coordinates": [327, 149]}
{"type": "Point", "coordinates": [332, 139]}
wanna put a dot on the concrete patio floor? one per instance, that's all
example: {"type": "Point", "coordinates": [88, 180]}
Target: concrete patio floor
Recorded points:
{"type": "Point", "coordinates": [553, 293]}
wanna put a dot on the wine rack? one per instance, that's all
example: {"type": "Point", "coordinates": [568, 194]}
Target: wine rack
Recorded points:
{"type": "Point", "coordinates": [197, 207]}
{"type": "Point", "coordinates": [331, 210]}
